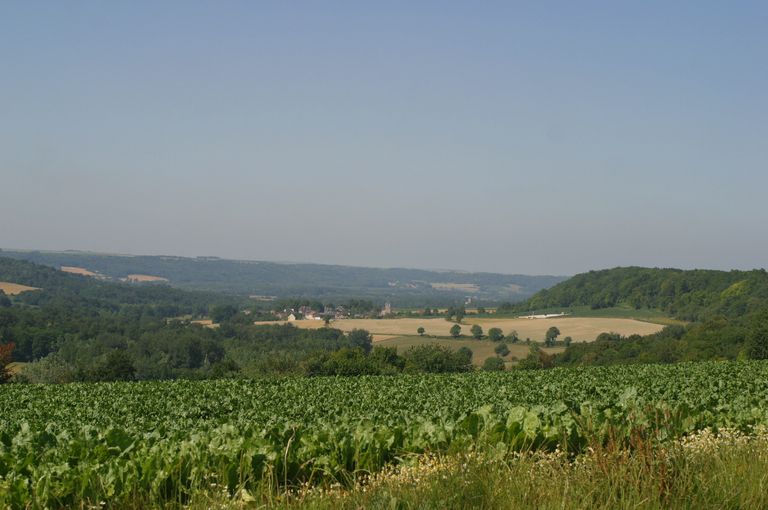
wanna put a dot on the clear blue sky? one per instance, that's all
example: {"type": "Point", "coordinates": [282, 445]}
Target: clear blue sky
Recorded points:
{"type": "Point", "coordinates": [539, 137]}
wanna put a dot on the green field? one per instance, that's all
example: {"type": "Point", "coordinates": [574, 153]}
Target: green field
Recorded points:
{"type": "Point", "coordinates": [171, 443]}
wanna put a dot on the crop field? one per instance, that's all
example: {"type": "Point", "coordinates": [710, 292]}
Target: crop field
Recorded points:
{"type": "Point", "coordinates": [167, 442]}
{"type": "Point", "coordinates": [13, 289]}
{"type": "Point", "coordinates": [581, 329]}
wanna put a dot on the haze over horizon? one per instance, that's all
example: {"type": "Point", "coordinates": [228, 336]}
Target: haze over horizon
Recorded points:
{"type": "Point", "coordinates": [504, 138]}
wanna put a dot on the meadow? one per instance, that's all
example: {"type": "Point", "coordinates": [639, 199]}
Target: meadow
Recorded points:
{"type": "Point", "coordinates": [174, 443]}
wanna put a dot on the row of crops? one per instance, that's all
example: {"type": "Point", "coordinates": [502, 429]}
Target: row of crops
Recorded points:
{"type": "Point", "coordinates": [63, 445]}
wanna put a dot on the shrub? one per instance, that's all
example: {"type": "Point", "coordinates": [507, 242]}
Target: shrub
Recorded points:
{"type": "Point", "coordinates": [493, 364]}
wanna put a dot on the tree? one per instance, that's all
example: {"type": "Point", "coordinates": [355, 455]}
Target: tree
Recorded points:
{"type": "Point", "coordinates": [495, 334]}
{"type": "Point", "coordinates": [502, 349]}
{"type": "Point", "coordinates": [362, 339]}
{"type": "Point", "coordinates": [436, 358]}
{"type": "Point", "coordinates": [117, 367]}
{"type": "Point", "coordinates": [477, 331]}
{"type": "Point", "coordinates": [455, 331]}
{"type": "Point", "coordinates": [421, 331]}
{"type": "Point", "coordinates": [757, 336]}
{"type": "Point", "coordinates": [465, 353]}
{"type": "Point", "coordinates": [567, 341]}
{"type": "Point", "coordinates": [493, 364]}
{"type": "Point", "coordinates": [551, 336]}
{"type": "Point", "coordinates": [327, 321]}
{"type": "Point", "coordinates": [512, 336]}
{"type": "Point", "coordinates": [5, 301]}
{"type": "Point", "coordinates": [536, 359]}
{"type": "Point", "coordinates": [222, 313]}
{"type": "Point", "coordinates": [6, 351]}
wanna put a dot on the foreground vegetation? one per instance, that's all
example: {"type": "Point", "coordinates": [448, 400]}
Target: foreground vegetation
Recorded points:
{"type": "Point", "coordinates": [167, 443]}
{"type": "Point", "coordinates": [703, 471]}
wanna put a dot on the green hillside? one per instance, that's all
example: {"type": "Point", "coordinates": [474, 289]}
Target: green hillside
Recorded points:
{"type": "Point", "coordinates": [689, 295]}
{"type": "Point", "coordinates": [726, 312]}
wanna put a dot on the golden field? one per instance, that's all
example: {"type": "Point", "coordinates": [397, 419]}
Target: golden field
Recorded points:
{"type": "Point", "coordinates": [580, 329]}
{"type": "Point", "coordinates": [12, 289]}
{"type": "Point", "coordinates": [77, 270]}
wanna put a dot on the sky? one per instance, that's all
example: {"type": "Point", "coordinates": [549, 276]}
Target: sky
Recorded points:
{"type": "Point", "coordinates": [518, 137]}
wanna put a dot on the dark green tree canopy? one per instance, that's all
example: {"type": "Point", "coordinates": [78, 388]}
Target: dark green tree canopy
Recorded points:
{"type": "Point", "coordinates": [495, 334]}
{"type": "Point", "coordinates": [493, 364]}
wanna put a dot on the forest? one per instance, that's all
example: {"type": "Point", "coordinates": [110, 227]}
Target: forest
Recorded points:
{"type": "Point", "coordinates": [722, 314]}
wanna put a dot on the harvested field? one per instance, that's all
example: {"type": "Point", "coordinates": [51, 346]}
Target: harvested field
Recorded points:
{"type": "Point", "coordinates": [78, 270]}
{"type": "Point", "coordinates": [206, 323]}
{"type": "Point", "coordinates": [13, 289]}
{"type": "Point", "coordinates": [144, 278]}
{"type": "Point", "coordinates": [581, 329]}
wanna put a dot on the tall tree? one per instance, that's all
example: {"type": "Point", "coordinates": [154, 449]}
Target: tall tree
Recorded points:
{"type": "Point", "coordinates": [551, 336]}
{"type": "Point", "coordinates": [362, 339]}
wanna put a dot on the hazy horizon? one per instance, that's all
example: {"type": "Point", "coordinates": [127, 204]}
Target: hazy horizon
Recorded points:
{"type": "Point", "coordinates": [311, 262]}
{"type": "Point", "coordinates": [518, 139]}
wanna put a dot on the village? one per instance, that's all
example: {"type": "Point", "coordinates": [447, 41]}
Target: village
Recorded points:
{"type": "Point", "coordinates": [330, 312]}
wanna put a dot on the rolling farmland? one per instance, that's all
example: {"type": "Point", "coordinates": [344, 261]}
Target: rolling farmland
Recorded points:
{"type": "Point", "coordinates": [581, 329]}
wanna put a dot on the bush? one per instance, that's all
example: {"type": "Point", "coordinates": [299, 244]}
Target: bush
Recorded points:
{"type": "Point", "coordinates": [51, 369]}
{"type": "Point", "coordinates": [502, 349]}
{"type": "Point", "coordinates": [436, 358]}
{"type": "Point", "coordinates": [493, 364]}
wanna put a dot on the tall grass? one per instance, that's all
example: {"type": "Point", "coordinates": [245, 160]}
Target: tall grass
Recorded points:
{"type": "Point", "coordinates": [703, 472]}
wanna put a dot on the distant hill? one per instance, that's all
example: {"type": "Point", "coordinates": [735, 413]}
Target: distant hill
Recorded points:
{"type": "Point", "coordinates": [75, 310]}
{"type": "Point", "coordinates": [271, 279]}
{"type": "Point", "coordinates": [686, 294]}
{"type": "Point", "coordinates": [727, 314]}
